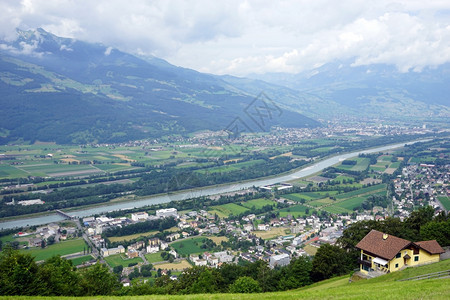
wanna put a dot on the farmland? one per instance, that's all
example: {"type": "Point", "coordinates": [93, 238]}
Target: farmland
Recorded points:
{"type": "Point", "coordinates": [190, 245]}
{"type": "Point", "coordinates": [178, 265]}
{"type": "Point", "coordinates": [228, 209]}
{"type": "Point", "coordinates": [257, 203]}
{"type": "Point", "coordinates": [295, 211]}
{"type": "Point", "coordinates": [131, 236]}
{"type": "Point", "coordinates": [445, 200]}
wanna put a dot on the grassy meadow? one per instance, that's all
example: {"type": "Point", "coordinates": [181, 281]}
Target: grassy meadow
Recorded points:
{"type": "Point", "coordinates": [63, 248]}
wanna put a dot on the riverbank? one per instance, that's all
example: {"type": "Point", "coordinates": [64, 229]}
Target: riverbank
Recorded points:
{"type": "Point", "coordinates": [100, 208]}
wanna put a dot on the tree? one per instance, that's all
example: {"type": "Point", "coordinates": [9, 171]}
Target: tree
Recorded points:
{"type": "Point", "coordinates": [18, 273]}
{"type": "Point", "coordinates": [118, 269]}
{"type": "Point", "coordinates": [330, 261]}
{"type": "Point", "coordinates": [245, 284]}
{"type": "Point", "coordinates": [57, 277]}
{"type": "Point", "coordinates": [51, 240]}
{"type": "Point", "coordinates": [97, 280]}
{"type": "Point", "coordinates": [439, 231]}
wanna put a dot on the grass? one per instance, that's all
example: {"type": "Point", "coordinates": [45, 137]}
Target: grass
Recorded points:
{"type": "Point", "coordinates": [383, 287]}
{"type": "Point", "coordinates": [153, 257]}
{"type": "Point", "coordinates": [445, 200]}
{"type": "Point", "coordinates": [351, 203]}
{"type": "Point", "coordinates": [361, 191]}
{"type": "Point", "coordinates": [189, 246]}
{"type": "Point", "coordinates": [311, 250]}
{"type": "Point", "coordinates": [131, 236]}
{"type": "Point", "coordinates": [257, 203]}
{"type": "Point", "coordinates": [181, 265]}
{"type": "Point", "coordinates": [229, 209]}
{"type": "Point", "coordinates": [120, 259]}
{"type": "Point", "coordinates": [272, 233]}
{"type": "Point", "coordinates": [80, 260]}
{"type": "Point", "coordinates": [300, 196]}
{"type": "Point", "coordinates": [63, 248]}
{"type": "Point", "coordinates": [295, 211]}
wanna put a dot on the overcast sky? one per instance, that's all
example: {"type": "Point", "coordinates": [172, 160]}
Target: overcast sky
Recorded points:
{"type": "Point", "coordinates": [242, 37]}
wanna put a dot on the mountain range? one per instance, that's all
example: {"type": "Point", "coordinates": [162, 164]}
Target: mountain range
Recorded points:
{"type": "Point", "coordinates": [69, 91]}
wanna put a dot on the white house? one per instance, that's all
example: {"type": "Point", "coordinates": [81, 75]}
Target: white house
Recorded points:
{"type": "Point", "coordinates": [139, 216]}
{"type": "Point", "coordinates": [167, 212]}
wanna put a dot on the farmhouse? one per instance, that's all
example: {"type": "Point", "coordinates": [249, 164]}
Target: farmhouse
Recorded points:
{"type": "Point", "coordinates": [387, 253]}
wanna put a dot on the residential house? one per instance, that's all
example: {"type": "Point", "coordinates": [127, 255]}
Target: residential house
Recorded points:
{"type": "Point", "coordinates": [388, 253]}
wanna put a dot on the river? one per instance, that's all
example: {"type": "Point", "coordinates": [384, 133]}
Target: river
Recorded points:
{"type": "Point", "coordinates": [208, 191]}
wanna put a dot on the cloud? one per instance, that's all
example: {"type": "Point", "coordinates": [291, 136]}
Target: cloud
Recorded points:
{"type": "Point", "coordinates": [242, 37]}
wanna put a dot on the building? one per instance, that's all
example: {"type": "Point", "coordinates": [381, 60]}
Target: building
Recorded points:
{"type": "Point", "coordinates": [279, 260]}
{"type": "Point", "coordinates": [139, 216]}
{"type": "Point", "coordinates": [167, 212]}
{"type": "Point", "coordinates": [388, 253]}
{"type": "Point", "coordinates": [107, 252]}
{"type": "Point", "coordinates": [132, 253]}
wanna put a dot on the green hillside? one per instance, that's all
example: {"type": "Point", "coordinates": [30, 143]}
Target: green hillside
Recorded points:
{"type": "Point", "coordinates": [384, 287]}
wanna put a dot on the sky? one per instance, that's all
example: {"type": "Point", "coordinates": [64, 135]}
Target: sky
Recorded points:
{"type": "Point", "coordinates": [245, 37]}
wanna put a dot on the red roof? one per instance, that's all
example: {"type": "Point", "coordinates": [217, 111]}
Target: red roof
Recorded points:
{"type": "Point", "coordinates": [431, 247]}
{"type": "Point", "coordinates": [375, 243]}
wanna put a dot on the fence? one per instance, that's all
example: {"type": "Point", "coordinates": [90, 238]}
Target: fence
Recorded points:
{"type": "Point", "coordinates": [429, 276]}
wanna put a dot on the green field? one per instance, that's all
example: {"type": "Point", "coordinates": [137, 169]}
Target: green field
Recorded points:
{"type": "Point", "coordinates": [63, 248]}
{"type": "Point", "coordinates": [153, 257]}
{"type": "Point", "coordinates": [361, 191]}
{"type": "Point", "coordinates": [229, 209]}
{"type": "Point", "coordinates": [80, 260]}
{"type": "Point", "coordinates": [189, 246]}
{"type": "Point", "coordinates": [333, 209]}
{"type": "Point", "coordinates": [445, 201]}
{"type": "Point", "coordinates": [361, 164]}
{"type": "Point", "coordinates": [257, 203]}
{"type": "Point", "coordinates": [301, 196]}
{"type": "Point", "coordinates": [351, 203]}
{"type": "Point", "coordinates": [321, 202]}
{"type": "Point", "coordinates": [120, 259]}
{"type": "Point", "coordinates": [295, 211]}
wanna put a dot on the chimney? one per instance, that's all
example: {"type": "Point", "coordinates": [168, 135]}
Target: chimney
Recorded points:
{"type": "Point", "coordinates": [385, 236]}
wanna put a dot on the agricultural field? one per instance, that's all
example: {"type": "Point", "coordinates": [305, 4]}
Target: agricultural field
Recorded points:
{"type": "Point", "coordinates": [120, 259]}
{"type": "Point", "coordinates": [311, 250]}
{"type": "Point", "coordinates": [298, 197]}
{"type": "Point", "coordinates": [361, 164]}
{"type": "Point", "coordinates": [257, 203]}
{"type": "Point", "coordinates": [63, 248]}
{"type": "Point", "coordinates": [189, 246]}
{"type": "Point", "coordinates": [228, 209]}
{"type": "Point", "coordinates": [178, 265]}
{"type": "Point", "coordinates": [361, 191]}
{"type": "Point", "coordinates": [295, 211]}
{"type": "Point", "coordinates": [351, 203]}
{"type": "Point", "coordinates": [272, 233]}
{"type": "Point", "coordinates": [321, 202]}
{"type": "Point", "coordinates": [218, 239]}
{"type": "Point", "coordinates": [132, 236]}
{"type": "Point", "coordinates": [333, 209]}
{"type": "Point", "coordinates": [445, 200]}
